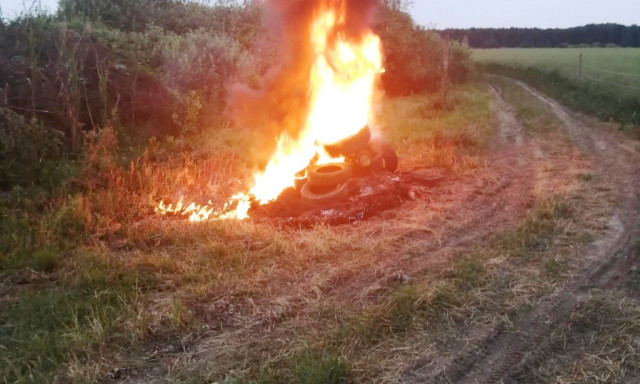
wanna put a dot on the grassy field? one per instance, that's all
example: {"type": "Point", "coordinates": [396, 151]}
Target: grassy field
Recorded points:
{"type": "Point", "coordinates": [616, 66]}
{"type": "Point", "coordinates": [90, 279]}
{"type": "Point", "coordinates": [501, 202]}
{"type": "Point", "coordinates": [610, 84]}
{"type": "Point", "coordinates": [94, 287]}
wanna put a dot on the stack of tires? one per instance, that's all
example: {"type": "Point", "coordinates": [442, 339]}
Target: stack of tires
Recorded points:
{"type": "Point", "coordinates": [328, 183]}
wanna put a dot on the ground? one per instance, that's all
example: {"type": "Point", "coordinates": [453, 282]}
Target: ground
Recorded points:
{"type": "Point", "coordinates": [519, 266]}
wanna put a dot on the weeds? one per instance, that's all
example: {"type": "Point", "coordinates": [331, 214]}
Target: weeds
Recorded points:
{"type": "Point", "coordinates": [313, 367]}
{"type": "Point", "coordinates": [600, 338]}
{"type": "Point", "coordinates": [45, 329]}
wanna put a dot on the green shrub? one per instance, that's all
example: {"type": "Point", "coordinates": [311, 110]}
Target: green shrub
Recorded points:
{"type": "Point", "coordinates": [412, 55]}
{"type": "Point", "coordinates": [204, 62]}
{"type": "Point", "coordinates": [461, 66]}
{"type": "Point", "coordinates": [28, 150]}
{"type": "Point", "coordinates": [176, 16]}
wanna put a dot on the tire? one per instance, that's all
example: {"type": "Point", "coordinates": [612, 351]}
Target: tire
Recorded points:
{"type": "Point", "coordinates": [300, 180]}
{"type": "Point", "coordinates": [389, 154]}
{"type": "Point", "coordinates": [299, 183]}
{"type": "Point", "coordinates": [367, 162]}
{"type": "Point", "coordinates": [351, 144]}
{"type": "Point", "coordinates": [329, 174]}
{"type": "Point", "coordinates": [321, 196]}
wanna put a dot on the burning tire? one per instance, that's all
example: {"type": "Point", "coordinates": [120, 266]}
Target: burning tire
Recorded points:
{"type": "Point", "coordinates": [299, 183]}
{"type": "Point", "coordinates": [323, 195]}
{"type": "Point", "coordinates": [300, 180]}
{"type": "Point", "coordinates": [329, 174]}
{"type": "Point", "coordinates": [368, 161]}
{"type": "Point", "coordinates": [389, 155]}
{"type": "Point", "coordinates": [351, 144]}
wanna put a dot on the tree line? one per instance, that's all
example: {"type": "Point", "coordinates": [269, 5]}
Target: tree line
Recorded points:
{"type": "Point", "coordinates": [591, 34]}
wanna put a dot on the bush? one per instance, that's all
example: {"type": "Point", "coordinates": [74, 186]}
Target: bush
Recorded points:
{"type": "Point", "coordinates": [28, 150]}
{"type": "Point", "coordinates": [412, 55]}
{"type": "Point", "coordinates": [204, 62]}
{"type": "Point", "coordinates": [175, 16]}
{"type": "Point", "coordinates": [461, 66]}
{"type": "Point", "coordinates": [120, 14]}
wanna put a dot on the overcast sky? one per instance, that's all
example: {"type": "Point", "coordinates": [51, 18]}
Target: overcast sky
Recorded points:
{"type": "Point", "coordinates": [524, 13]}
{"type": "Point", "coordinates": [478, 13]}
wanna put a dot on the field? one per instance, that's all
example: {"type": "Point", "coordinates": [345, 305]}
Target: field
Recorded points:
{"type": "Point", "coordinates": [512, 256]}
{"type": "Point", "coordinates": [94, 292]}
{"type": "Point", "coordinates": [619, 67]}
{"type": "Point", "coordinates": [610, 75]}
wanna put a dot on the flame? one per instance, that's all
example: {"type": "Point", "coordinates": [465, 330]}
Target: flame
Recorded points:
{"type": "Point", "coordinates": [342, 84]}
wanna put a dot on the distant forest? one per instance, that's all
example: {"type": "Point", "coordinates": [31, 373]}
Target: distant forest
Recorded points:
{"type": "Point", "coordinates": [591, 35]}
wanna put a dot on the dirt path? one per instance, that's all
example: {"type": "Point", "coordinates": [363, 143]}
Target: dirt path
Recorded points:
{"type": "Point", "coordinates": [501, 355]}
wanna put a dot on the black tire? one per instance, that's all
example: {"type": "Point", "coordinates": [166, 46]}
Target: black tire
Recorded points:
{"type": "Point", "coordinates": [388, 154]}
{"type": "Point", "coordinates": [351, 144]}
{"type": "Point", "coordinates": [299, 183]}
{"type": "Point", "coordinates": [329, 174]}
{"type": "Point", "coordinates": [322, 195]}
{"type": "Point", "coordinates": [368, 161]}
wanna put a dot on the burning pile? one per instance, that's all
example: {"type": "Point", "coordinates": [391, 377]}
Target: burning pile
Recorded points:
{"type": "Point", "coordinates": [324, 184]}
{"type": "Point", "coordinates": [320, 100]}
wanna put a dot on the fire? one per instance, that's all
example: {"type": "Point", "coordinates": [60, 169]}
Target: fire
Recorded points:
{"type": "Point", "coordinates": [343, 76]}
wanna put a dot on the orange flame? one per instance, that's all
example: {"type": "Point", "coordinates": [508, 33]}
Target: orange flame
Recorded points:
{"type": "Point", "coordinates": [342, 83]}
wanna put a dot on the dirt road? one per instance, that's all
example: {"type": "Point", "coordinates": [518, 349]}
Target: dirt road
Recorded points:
{"type": "Point", "coordinates": [506, 354]}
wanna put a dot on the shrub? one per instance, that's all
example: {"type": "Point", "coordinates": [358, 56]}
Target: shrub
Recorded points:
{"type": "Point", "coordinates": [121, 14]}
{"type": "Point", "coordinates": [56, 74]}
{"type": "Point", "coordinates": [413, 55]}
{"type": "Point", "coordinates": [28, 150]}
{"type": "Point", "coordinates": [204, 62]}
{"type": "Point", "coordinates": [175, 16]}
{"type": "Point", "coordinates": [461, 66]}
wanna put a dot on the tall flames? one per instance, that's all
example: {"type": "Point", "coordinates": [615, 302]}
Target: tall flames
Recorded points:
{"type": "Point", "coordinates": [344, 67]}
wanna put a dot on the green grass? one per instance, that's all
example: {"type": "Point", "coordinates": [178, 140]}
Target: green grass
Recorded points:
{"type": "Point", "coordinates": [431, 131]}
{"type": "Point", "coordinates": [47, 325]}
{"type": "Point", "coordinates": [609, 89]}
{"type": "Point", "coordinates": [615, 65]}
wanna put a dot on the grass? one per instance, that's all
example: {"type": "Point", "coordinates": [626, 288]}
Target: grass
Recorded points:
{"type": "Point", "coordinates": [45, 325]}
{"type": "Point", "coordinates": [435, 132]}
{"type": "Point", "coordinates": [598, 344]}
{"type": "Point", "coordinates": [609, 89]}
{"type": "Point", "coordinates": [616, 65]}
{"type": "Point", "coordinates": [92, 258]}
{"type": "Point", "coordinates": [94, 281]}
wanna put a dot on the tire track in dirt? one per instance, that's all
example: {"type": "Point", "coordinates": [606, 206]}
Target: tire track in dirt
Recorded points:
{"type": "Point", "coordinates": [501, 355]}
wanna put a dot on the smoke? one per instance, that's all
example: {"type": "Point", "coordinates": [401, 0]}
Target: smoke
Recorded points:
{"type": "Point", "coordinates": [281, 103]}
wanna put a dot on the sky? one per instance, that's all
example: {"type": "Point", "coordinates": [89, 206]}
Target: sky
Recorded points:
{"type": "Point", "coordinates": [442, 14]}
{"type": "Point", "coordinates": [12, 8]}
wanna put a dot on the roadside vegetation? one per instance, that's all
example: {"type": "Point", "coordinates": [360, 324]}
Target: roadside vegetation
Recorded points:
{"type": "Point", "coordinates": [608, 86]}
{"type": "Point", "coordinates": [108, 107]}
